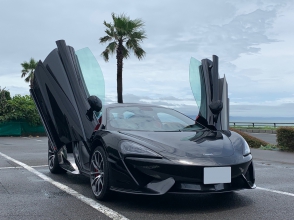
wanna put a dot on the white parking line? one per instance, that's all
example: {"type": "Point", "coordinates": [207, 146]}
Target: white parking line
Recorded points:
{"type": "Point", "coordinates": [4, 168]}
{"type": "Point", "coordinates": [40, 166]}
{"type": "Point", "coordinates": [275, 191]}
{"type": "Point", "coordinates": [93, 203]}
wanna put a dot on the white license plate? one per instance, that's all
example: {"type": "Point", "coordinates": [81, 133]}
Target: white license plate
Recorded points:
{"type": "Point", "coordinates": [214, 175]}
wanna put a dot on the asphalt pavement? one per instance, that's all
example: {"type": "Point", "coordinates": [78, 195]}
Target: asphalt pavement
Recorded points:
{"type": "Point", "coordinates": [31, 192]}
{"type": "Point", "coordinates": [270, 138]}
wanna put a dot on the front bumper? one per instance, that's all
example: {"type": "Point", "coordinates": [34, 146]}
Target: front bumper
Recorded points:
{"type": "Point", "coordinates": [160, 176]}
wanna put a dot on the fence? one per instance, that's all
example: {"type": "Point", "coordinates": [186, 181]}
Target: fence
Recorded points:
{"type": "Point", "coordinates": [260, 124]}
{"type": "Point", "coordinates": [20, 128]}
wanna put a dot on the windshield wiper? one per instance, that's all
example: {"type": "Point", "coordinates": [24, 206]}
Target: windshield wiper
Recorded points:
{"type": "Point", "coordinates": [192, 128]}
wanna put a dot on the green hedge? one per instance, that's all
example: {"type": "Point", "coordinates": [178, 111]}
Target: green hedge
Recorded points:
{"type": "Point", "coordinates": [252, 141]}
{"type": "Point", "coordinates": [285, 138]}
{"type": "Point", "coordinates": [20, 128]}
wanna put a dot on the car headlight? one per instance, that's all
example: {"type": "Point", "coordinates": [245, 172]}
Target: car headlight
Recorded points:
{"type": "Point", "coordinates": [131, 148]}
{"type": "Point", "coordinates": [246, 149]}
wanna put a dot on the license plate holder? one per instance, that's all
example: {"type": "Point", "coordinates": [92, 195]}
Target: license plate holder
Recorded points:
{"type": "Point", "coordinates": [215, 175]}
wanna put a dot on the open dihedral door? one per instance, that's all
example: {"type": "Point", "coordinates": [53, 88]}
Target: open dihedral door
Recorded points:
{"type": "Point", "coordinates": [210, 93]}
{"type": "Point", "coordinates": [60, 95]}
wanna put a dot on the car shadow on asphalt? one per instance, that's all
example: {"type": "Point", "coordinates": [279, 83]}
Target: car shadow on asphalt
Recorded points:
{"type": "Point", "coordinates": [179, 203]}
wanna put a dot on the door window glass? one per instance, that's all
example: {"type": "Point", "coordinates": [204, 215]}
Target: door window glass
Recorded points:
{"type": "Point", "coordinates": [92, 74]}
{"type": "Point", "coordinates": [195, 80]}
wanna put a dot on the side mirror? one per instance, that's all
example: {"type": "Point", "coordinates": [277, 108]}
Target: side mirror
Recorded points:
{"type": "Point", "coordinates": [95, 105]}
{"type": "Point", "coordinates": [216, 107]}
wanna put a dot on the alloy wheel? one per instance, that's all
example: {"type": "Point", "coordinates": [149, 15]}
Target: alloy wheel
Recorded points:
{"type": "Point", "coordinates": [51, 158]}
{"type": "Point", "coordinates": [97, 173]}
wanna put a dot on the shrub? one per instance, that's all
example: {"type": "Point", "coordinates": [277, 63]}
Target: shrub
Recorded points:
{"type": "Point", "coordinates": [252, 141]}
{"type": "Point", "coordinates": [4, 97]}
{"type": "Point", "coordinates": [285, 138]}
{"type": "Point", "coordinates": [20, 108]}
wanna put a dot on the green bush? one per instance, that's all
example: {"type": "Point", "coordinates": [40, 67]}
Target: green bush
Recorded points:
{"type": "Point", "coordinates": [20, 108]}
{"type": "Point", "coordinates": [252, 141]}
{"type": "Point", "coordinates": [285, 138]}
{"type": "Point", "coordinates": [4, 97]}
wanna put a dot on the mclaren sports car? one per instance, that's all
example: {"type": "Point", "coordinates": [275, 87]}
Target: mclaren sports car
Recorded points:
{"type": "Point", "coordinates": [137, 148]}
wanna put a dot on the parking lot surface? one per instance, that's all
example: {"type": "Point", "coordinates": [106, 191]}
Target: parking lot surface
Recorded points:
{"type": "Point", "coordinates": [29, 191]}
{"type": "Point", "coordinates": [270, 138]}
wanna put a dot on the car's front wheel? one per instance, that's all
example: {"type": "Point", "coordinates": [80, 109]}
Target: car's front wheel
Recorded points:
{"type": "Point", "coordinates": [99, 174]}
{"type": "Point", "coordinates": [53, 162]}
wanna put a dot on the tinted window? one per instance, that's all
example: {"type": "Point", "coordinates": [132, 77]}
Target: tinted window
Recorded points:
{"type": "Point", "coordinates": [144, 118]}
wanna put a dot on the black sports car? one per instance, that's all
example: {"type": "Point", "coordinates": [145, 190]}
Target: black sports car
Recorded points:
{"type": "Point", "coordinates": [136, 148]}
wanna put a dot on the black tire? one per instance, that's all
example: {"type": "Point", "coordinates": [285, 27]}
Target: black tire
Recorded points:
{"type": "Point", "coordinates": [99, 174]}
{"type": "Point", "coordinates": [53, 163]}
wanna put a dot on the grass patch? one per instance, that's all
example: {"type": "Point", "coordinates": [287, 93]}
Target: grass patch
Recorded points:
{"type": "Point", "coordinates": [269, 147]}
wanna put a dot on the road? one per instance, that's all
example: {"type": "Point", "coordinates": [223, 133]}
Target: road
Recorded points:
{"type": "Point", "coordinates": [27, 192]}
{"type": "Point", "coordinates": [270, 138]}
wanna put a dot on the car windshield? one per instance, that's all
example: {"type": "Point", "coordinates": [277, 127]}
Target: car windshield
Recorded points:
{"type": "Point", "coordinates": [149, 118]}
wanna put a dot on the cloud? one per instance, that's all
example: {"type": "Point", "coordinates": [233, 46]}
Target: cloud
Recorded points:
{"type": "Point", "coordinates": [276, 108]}
{"type": "Point", "coordinates": [252, 39]}
{"type": "Point", "coordinates": [169, 98]}
{"type": "Point", "coordinates": [282, 110]}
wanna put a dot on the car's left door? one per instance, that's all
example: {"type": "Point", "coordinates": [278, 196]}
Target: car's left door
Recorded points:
{"type": "Point", "coordinates": [60, 95]}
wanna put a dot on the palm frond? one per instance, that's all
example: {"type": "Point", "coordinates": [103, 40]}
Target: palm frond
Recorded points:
{"type": "Point", "coordinates": [113, 16]}
{"type": "Point", "coordinates": [138, 24]}
{"type": "Point", "coordinates": [140, 53]}
{"type": "Point", "coordinates": [105, 55]}
{"type": "Point", "coordinates": [25, 65]}
{"type": "Point", "coordinates": [109, 25]}
{"type": "Point", "coordinates": [138, 35]}
{"type": "Point", "coordinates": [112, 47]}
{"type": "Point", "coordinates": [126, 53]}
{"type": "Point", "coordinates": [105, 39]}
{"type": "Point", "coordinates": [24, 73]}
{"type": "Point", "coordinates": [121, 24]}
{"type": "Point", "coordinates": [27, 79]}
{"type": "Point", "coordinates": [33, 63]}
{"type": "Point", "coordinates": [131, 43]}
{"type": "Point", "coordinates": [111, 32]}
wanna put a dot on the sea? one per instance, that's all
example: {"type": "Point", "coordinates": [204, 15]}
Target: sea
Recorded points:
{"type": "Point", "coordinates": [259, 120]}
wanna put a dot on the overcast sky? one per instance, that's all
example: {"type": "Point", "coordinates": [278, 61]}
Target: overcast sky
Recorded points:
{"type": "Point", "coordinates": [254, 40]}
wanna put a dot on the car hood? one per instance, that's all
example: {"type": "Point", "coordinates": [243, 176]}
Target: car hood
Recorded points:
{"type": "Point", "coordinates": [186, 144]}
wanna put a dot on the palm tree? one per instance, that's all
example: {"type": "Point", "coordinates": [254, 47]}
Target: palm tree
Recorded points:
{"type": "Point", "coordinates": [124, 36]}
{"type": "Point", "coordinates": [28, 70]}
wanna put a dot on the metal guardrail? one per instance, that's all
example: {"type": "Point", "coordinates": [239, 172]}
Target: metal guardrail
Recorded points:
{"type": "Point", "coordinates": [260, 124]}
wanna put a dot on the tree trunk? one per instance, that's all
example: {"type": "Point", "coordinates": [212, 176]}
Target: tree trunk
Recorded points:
{"type": "Point", "coordinates": [119, 58]}
{"type": "Point", "coordinates": [31, 83]}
